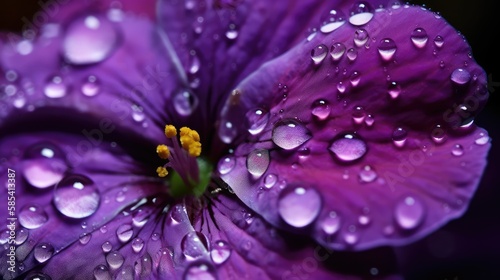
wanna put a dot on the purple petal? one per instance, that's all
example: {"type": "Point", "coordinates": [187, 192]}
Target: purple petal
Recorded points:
{"type": "Point", "coordinates": [387, 151]}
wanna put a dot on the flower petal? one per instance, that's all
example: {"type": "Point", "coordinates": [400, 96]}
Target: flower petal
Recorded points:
{"type": "Point", "coordinates": [362, 137]}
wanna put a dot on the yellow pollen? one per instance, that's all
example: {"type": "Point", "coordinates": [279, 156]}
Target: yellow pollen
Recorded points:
{"type": "Point", "coordinates": [170, 131]}
{"type": "Point", "coordinates": [163, 151]}
{"type": "Point", "coordinates": [190, 141]}
{"type": "Point", "coordinates": [162, 171]}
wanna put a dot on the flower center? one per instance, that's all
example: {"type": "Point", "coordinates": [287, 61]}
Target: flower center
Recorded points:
{"type": "Point", "coordinates": [190, 174]}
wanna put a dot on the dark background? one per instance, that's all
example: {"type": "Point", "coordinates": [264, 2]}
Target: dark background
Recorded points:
{"type": "Point", "coordinates": [467, 248]}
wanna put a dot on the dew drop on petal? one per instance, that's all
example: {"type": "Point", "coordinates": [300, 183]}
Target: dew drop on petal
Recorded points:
{"type": "Point", "coordinates": [355, 78]}
{"type": "Point", "coordinates": [361, 13]}
{"type": "Point", "coordinates": [358, 115]}
{"type": "Point", "coordinates": [185, 102]}
{"type": "Point", "coordinates": [124, 232]}
{"type": "Point", "coordinates": [352, 54]}
{"type": "Point", "coordinates": [232, 32]}
{"type": "Point", "coordinates": [394, 89]}
{"type": "Point", "coordinates": [89, 40]}
{"type": "Point", "coordinates": [257, 120]}
{"type": "Point", "coordinates": [460, 76]}
{"type": "Point", "coordinates": [331, 223]}
{"type": "Point", "coordinates": [138, 113]}
{"type": "Point", "coordinates": [299, 206]}
{"type": "Point", "coordinates": [114, 259]}
{"type": "Point", "coordinates": [227, 132]}
{"type": "Point", "coordinates": [457, 150]}
{"type": "Point", "coordinates": [21, 236]}
{"type": "Point", "coordinates": [438, 41]}
{"type": "Point", "coordinates": [200, 271]}
{"type": "Point", "coordinates": [106, 246]}
{"type": "Point", "coordinates": [438, 134]}
{"type": "Point", "coordinates": [220, 252]}
{"type": "Point", "coordinates": [194, 65]}
{"type": "Point", "coordinates": [331, 20]}
{"type": "Point", "coordinates": [367, 174]}
{"type": "Point", "coordinates": [101, 272]}
{"type": "Point", "coordinates": [55, 88]}
{"type": "Point", "coordinates": [321, 109]}
{"type": "Point", "coordinates": [337, 51]}
{"type": "Point", "coordinates": [387, 49]}
{"type": "Point", "coordinates": [258, 162]}
{"type": "Point", "coordinates": [43, 252]}
{"type": "Point", "coordinates": [226, 165]}
{"type": "Point", "coordinates": [34, 275]}
{"type": "Point", "coordinates": [399, 136]}
{"type": "Point", "coordinates": [76, 196]}
{"type": "Point", "coordinates": [194, 244]}
{"type": "Point", "coordinates": [289, 134]}
{"type": "Point", "coordinates": [409, 213]}
{"type": "Point", "coordinates": [369, 120]}
{"type": "Point", "coordinates": [270, 180]}
{"type": "Point", "coordinates": [43, 165]}
{"type": "Point", "coordinates": [482, 139]}
{"type": "Point", "coordinates": [419, 37]}
{"type": "Point", "coordinates": [341, 87]}
{"type": "Point", "coordinates": [137, 244]}
{"type": "Point", "coordinates": [348, 148]}
{"type": "Point", "coordinates": [351, 238]}
{"type": "Point", "coordinates": [360, 37]}
{"type": "Point", "coordinates": [90, 86]}
{"type": "Point", "coordinates": [319, 53]}
{"type": "Point", "coordinates": [32, 216]}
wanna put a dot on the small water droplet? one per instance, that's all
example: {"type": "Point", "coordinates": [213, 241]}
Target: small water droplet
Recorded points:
{"type": "Point", "coordinates": [348, 148]}
{"type": "Point", "coordinates": [438, 41]}
{"type": "Point", "coordinates": [43, 252]}
{"type": "Point", "coordinates": [124, 232]}
{"type": "Point", "coordinates": [137, 113]}
{"type": "Point", "coordinates": [399, 136]}
{"type": "Point", "coordinates": [200, 271]}
{"type": "Point", "coordinates": [257, 120]}
{"type": "Point", "coordinates": [409, 213]}
{"type": "Point", "coordinates": [457, 150]}
{"type": "Point", "coordinates": [363, 220]}
{"type": "Point", "coordinates": [394, 89]}
{"type": "Point", "coordinates": [90, 86]}
{"type": "Point", "coordinates": [89, 40]}
{"type": "Point", "coordinates": [155, 236]}
{"type": "Point", "coordinates": [221, 251]}
{"type": "Point", "coordinates": [43, 165]}
{"type": "Point", "coordinates": [85, 238]}
{"type": "Point", "coordinates": [351, 238]}
{"type": "Point", "coordinates": [114, 259]}
{"type": "Point", "coordinates": [341, 87]}
{"type": "Point", "coordinates": [76, 196]}
{"type": "Point", "coordinates": [258, 162]}
{"type": "Point", "coordinates": [360, 37]}
{"type": "Point", "coordinates": [21, 236]}
{"type": "Point", "coordinates": [227, 132]}
{"type": "Point", "coordinates": [319, 53]}
{"type": "Point", "coordinates": [355, 78]}
{"type": "Point", "coordinates": [361, 13]}
{"type": "Point", "coordinates": [321, 109]}
{"type": "Point", "coordinates": [226, 165]}
{"type": "Point", "coordinates": [331, 223]}
{"type": "Point", "coordinates": [185, 102]}
{"type": "Point", "coordinates": [367, 174]}
{"type": "Point", "coordinates": [352, 54]}
{"type": "Point", "coordinates": [387, 49]}
{"type": "Point", "coordinates": [482, 139]}
{"type": "Point", "coordinates": [460, 76]}
{"type": "Point", "coordinates": [101, 272]}
{"type": "Point", "coordinates": [270, 180]}
{"type": "Point", "coordinates": [299, 206]}
{"type": "Point", "coordinates": [137, 244]}
{"type": "Point", "coordinates": [106, 246]}
{"type": "Point", "coordinates": [337, 51]}
{"type": "Point", "coordinates": [194, 245]}
{"type": "Point", "coordinates": [331, 20]}
{"type": "Point", "coordinates": [194, 65]}
{"type": "Point", "coordinates": [438, 134]}
{"type": "Point", "coordinates": [369, 120]}
{"type": "Point", "coordinates": [419, 37]}
{"type": "Point", "coordinates": [32, 216]}
{"type": "Point", "coordinates": [358, 115]}
{"type": "Point", "coordinates": [55, 88]}
{"type": "Point", "coordinates": [232, 32]}
{"type": "Point", "coordinates": [312, 33]}
{"type": "Point", "coordinates": [290, 134]}
{"type": "Point", "coordinates": [24, 47]}
{"type": "Point", "coordinates": [34, 275]}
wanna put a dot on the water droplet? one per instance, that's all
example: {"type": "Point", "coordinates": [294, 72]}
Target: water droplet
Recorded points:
{"type": "Point", "coordinates": [227, 132]}
{"type": "Point", "coordinates": [85, 238]}
{"type": "Point", "coordinates": [35, 275]}
{"type": "Point", "coordinates": [55, 88]}
{"type": "Point", "coordinates": [91, 86]}
{"type": "Point", "coordinates": [257, 121]}
{"type": "Point", "coordinates": [355, 78]}
{"type": "Point", "coordinates": [21, 236]}
{"type": "Point", "coordinates": [312, 33]}
{"type": "Point", "coordinates": [19, 102]}
{"type": "Point", "coordinates": [331, 20]}
{"type": "Point", "coordinates": [200, 271]}
{"type": "Point", "coordinates": [194, 245]}
{"type": "Point", "coordinates": [44, 165]}
{"type": "Point", "coordinates": [137, 113]}
{"type": "Point", "coordinates": [399, 136]}
{"type": "Point", "coordinates": [76, 196]}
{"type": "Point", "coordinates": [409, 213]}
{"type": "Point", "coordinates": [370, 120]}
{"type": "Point", "coordinates": [351, 238]}
{"type": "Point", "coordinates": [124, 232]}
{"type": "Point", "coordinates": [89, 40]}
{"type": "Point", "coordinates": [185, 102]}
{"type": "Point", "coordinates": [194, 65]}
{"type": "Point", "coordinates": [367, 174]}
{"type": "Point", "coordinates": [155, 236]}
{"type": "Point", "coordinates": [331, 223]}
{"type": "Point", "coordinates": [24, 47]}
{"type": "Point", "coordinates": [387, 49]}
{"type": "Point", "coordinates": [352, 54]}
{"type": "Point", "coordinates": [363, 220]}
{"type": "Point", "coordinates": [341, 87]}
{"type": "Point", "coordinates": [321, 109]}
{"type": "Point", "coordinates": [482, 139]}
{"type": "Point", "coordinates": [457, 150]}
{"type": "Point", "coordinates": [348, 148]}
{"type": "Point", "coordinates": [101, 272]}
{"type": "Point", "coordinates": [137, 244]}
{"type": "Point", "coordinates": [106, 246]}
{"type": "Point", "coordinates": [299, 206]}
{"type": "Point", "coordinates": [290, 134]}
{"type": "Point", "coordinates": [337, 51]}
{"type": "Point", "coordinates": [360, 14]}
{"type": "Point", "coordinates": [270, 180]}
{"type": "Point", "coordinates": [419, 37]}
{"type": "Point", "coordinates": [460, 76]}
{"type": "Point", "coordinates": [114, 259]}
{"type": "Point", "coordinates": [226, 165]}
{"type": "Point", "coordinates": [43, 252]}
{"type": "Point", "coordinates": [360, 37]}
{"type": "Point", "coordinates": [319, 53]}
{"type": "Point", "coordinates": [220, 252]}
{"type": "Point", "coordinates": [394, 89]}
{"type": "Point", "coordinates": [358, 115]}
{"type": "Point", "coordinates": [438, 134]}
{"type": "Point", "coordinates": [258, 162]}
{"type": "Point", "coordinates": [32, 216]}
{"type": "Point", "coordinates": [438, 41]}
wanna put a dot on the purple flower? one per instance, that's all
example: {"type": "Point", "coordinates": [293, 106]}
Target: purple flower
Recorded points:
{"type": "Point", "coordinates": [233, 139]}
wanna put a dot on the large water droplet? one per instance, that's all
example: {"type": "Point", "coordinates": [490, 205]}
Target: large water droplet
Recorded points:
{"type": "Point", "coordinates": [114, 259]}
{"type": "Point", "coordinates": [460, 76]}
{"type": "Point", "coordinates": [101, 272]}
{"type": "Point", "coordinates": [258, 162]}
{"type": "Point", "coordinates": [44, 165]}
{"type": "Point", "coordinates": [220, 252]}
{"type": "Point", "coordinates": [321, 109]}
{"type": "Point", "coordinates": [137, 244]}
{"type": "Point", "coordinates": [89, 40]}
{"type": "Point", "coordinates": [299, 206]}
{"type": "Point", "coordinates": [290, 134]}
{"type": "Point", "coordinates": [90, 86]}
{"type": "Point", "coordinates": [337, 51]}
{"type": "Point", "coordinates": [55, 88]}
{"type": "Point", "coordinates": [200, 271]}
{"type": "Point", "coordinates": [331, 223]}
{"type": "Point", "coordinates": [43, 252]}
{"type": "Point", "coordinates": [360, 37]}
{"type": "Point", "coordinates": [194, 244]}
{"type": "Point", "coordinates": [32, 216]}
{"type": "Point", "coordinates": [387, 48]}
{"type": "Point", "coordinates": [257, 120]}
{"type": "Point", "coordinates": [76, 196]}
{"type": "Point", "coordinates": [226, 165]}
{"type": "Point", "coordinates": [360, 14]}
{"type": "Point", "coordinates": [399, 136]}
{"type": "Point", "coordinates": [394, 89]}
{"type": "Point", "coordinates": [319, 53]}
{"type": "Point", "coordinates": [331, 20]}
{"type": "Point", "coordinates": [419, 37]}
{"type": "Point", "coordinates": [348, 148]}
{"type": "Point", "coordinates": [124, 232]}
{"type": "Point", "coordinates": [409, 213]}
{"type": "Point", "coordinates": [185, 102]}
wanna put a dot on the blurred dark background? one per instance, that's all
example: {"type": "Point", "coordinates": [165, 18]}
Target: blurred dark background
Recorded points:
{"type": "Point", "coordinates": [467, 248]}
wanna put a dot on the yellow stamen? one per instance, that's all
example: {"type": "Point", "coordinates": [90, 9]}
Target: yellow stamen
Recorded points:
{"type": "Point", "coordinates": [162, 171]}
{"type": "Point", "coordinates": [190, 141]}
{"type": "Point", "coordinates": [170, 131]}
{"type": "Point", "coordinates": [163, 151]}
